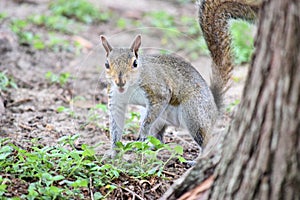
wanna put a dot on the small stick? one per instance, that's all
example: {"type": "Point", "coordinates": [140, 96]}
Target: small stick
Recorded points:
{"type": "Point", "coordinates": [25, 127]}
{"type": "Point", "coordinates": [169, 173]}
{"type": "Point", "coordinates": [91, 188]}
{"type": "Point", "coordinates": [133, 193]}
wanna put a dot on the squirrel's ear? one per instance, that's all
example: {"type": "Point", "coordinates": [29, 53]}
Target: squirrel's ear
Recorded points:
{"type": "Point", "coordinates": [136, 45]}
{"type": "Point", "coordinates": [105, 44]}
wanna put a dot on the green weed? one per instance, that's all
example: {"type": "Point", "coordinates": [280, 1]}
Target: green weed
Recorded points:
{"type": "Point", "coordinates": [166, 22]}
{"type": "Point", "coordinates": [66, 172]}
{"type": "Point", "coordinates": [54, 22]}
{"type": "Point", "coordinates": [185, 1]}
{"type": "Point", "coordinates": [19, 26]}
{"type": "Point", "coordinates": [80, 10]}
{"type": "Point", "coordinates": [60, 79]}
{"type": "Point", "coordinates": [6, 82]}
{"type": "Point", "coordinates": [51, 40]}
{"type": "Point", "coordinates": [243, 42]}
{"type": "Point", "coordinates": [57, 43]}
{"type": "Point", "coordinates": [54, 172]}
{"type": "Point", "coordinates": [3, 184]}
{"type": "Point", "coordinates": [147, 162]}
{"type": "Point", "coordinates": [69, 111]}
{"type": "Point", "coordinates": [191, 41]}
{"type": "Point", "coordinates": [162, 19]}
{"type": "Point", "coordinates": [122, 23]}
{"type": "Point", "coordinates": [3, 15]}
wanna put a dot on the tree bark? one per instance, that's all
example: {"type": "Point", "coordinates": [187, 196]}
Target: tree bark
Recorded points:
{"type": "Point", "coordinates": [261, 151]}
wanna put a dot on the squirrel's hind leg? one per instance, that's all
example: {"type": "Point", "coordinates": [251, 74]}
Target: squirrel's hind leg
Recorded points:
{"type": "Point", "coordinates": [198, 121]}
{"type": "Point", "coordinates": [158, 130]}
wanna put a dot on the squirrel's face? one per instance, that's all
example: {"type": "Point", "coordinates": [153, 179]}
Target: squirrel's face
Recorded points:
{"type": "Point", "coordinates": [122, 66]}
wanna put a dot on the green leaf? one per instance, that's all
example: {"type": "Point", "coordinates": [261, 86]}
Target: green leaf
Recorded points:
{"type": "Point", "coordinates": [80, 183]}
{"type": "Point", "coordinates": [115, 173]}
{"type": "Point", "coordinates": [120, 145]}
{"type": "Point", "coordinates": [181, 159]}
{"type": "Point", "coordinates": [32, 193]}
{"type": "Point", "coordinates": [61, 109]}
{"type": "Point", "coordinates": [47, 176]}
{"type": "Point", "coordinates": [2, 189]}
{"type": "Point", "coordinates": [154, 141]}
{"type": "Point", "coordinates": [111, 187]}
{"type": "Point", "coordinates": [5, 152]}
{"type": "Point", "coordinates": [102, 107]}
{"type": "Point", "coordinates": [138, 145]}
{"type": "Point", "coordinates": [55, 190]}
{"type": "Point", "coordinates": [98, 195]}
{"type": "Point", "coordinates": [178, 149]}
{"type": "Point", "coordinates": [58, 177]}
{"type": "Point", "coordinates": [88, 152]}
{"type": "Point", "coordinates": [76, 154]}
{"type": "Point", "coordinates": [152, 171]}
{"type": "Point", "coordinates": [38, 44]}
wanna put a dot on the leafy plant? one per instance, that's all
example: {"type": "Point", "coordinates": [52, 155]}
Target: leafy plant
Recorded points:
{"type": "Point", "coordinates": [166, 22]}
{"type": "Point", "coordinates": [69, 111]}
{"type": "Point", "coordinates": [65, 172]}
{"type": "Point", "coordinates": [57, 43]}
{"type": "Point", "coordinates": [54, 22]}
{"type": "Point", "coordinates": [184, 1]}
{"type": "Point", "coordinates": [3, 185]}
{"type": "Point", "coordinates": [6, 82]}
{"type": "Point", "coordinates": [61, 79]}
{"type": "Point", "coordinates": [81, 10]}
{"type": "Point", "coordinates": [54, 172]}
{"type": "Point", "coordinates": [2, 15]}
{"type": "Point", "coordinates": [147, 162]}
{"type": "Point", "coordinates": [185, 34]}
{"type": "Point", "coordinates": [26, 37]}
{"type": "Point", "coordinates": [243, 42]}
{"type": "Point", "coordinates": [162, 19]}
{"type": "Point", "coordinates": [122, 23]}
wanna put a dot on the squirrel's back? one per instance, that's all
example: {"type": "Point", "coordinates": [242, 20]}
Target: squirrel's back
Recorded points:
{"type": "Point", "coordinates": [177, 73]}
{"type": "Point", "coordinates": [172, 64]}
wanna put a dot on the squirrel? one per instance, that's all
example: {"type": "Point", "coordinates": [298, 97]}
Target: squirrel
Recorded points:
{"type": "Point", "coordinates": [172, 91]}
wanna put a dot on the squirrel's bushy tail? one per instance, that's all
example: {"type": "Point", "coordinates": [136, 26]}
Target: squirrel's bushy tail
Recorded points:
{"type": "Point", "coordinates": [214, 16]}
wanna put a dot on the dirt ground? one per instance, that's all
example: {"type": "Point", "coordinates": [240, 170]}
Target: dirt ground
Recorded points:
{"type": "Point", "coordinates": [30, 111]}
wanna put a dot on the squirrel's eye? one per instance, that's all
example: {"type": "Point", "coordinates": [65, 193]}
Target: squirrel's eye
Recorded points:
{"type": "Point", "coordinates": [134, 64]}
{"type": "Point", "coordinates": [107, 65]}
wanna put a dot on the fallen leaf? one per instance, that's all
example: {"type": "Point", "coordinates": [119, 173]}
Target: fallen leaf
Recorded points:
{"type": "Point", "coordinates": [83, 42]}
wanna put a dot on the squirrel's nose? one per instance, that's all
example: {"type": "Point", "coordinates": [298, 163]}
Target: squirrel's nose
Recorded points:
{"type": "Point", "coordinates": [120, 82]}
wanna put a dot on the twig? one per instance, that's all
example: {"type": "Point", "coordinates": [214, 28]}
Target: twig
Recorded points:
{"type": "Point", "coordinates": [91, 188]}
{"type": "Point", "coordinates": [169, 173]}
{"type": "Point", "coordinates": [133, 193]}
{"type": "Point", "coordinates": [155, 187]}
{"type": "Point", "coordinates": [25, 127]}
{"type": "Point", "coordinates": [16, 103]}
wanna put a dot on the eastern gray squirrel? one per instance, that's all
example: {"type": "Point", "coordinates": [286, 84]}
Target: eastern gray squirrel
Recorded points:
{"type": "Point", "coordinates": [170, 88]}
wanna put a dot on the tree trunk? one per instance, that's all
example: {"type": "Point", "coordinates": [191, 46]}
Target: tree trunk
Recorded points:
{"type": "Point", "coordinates": [261, 155]}
{"type": "Point", "coordinates": [261, 151]}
